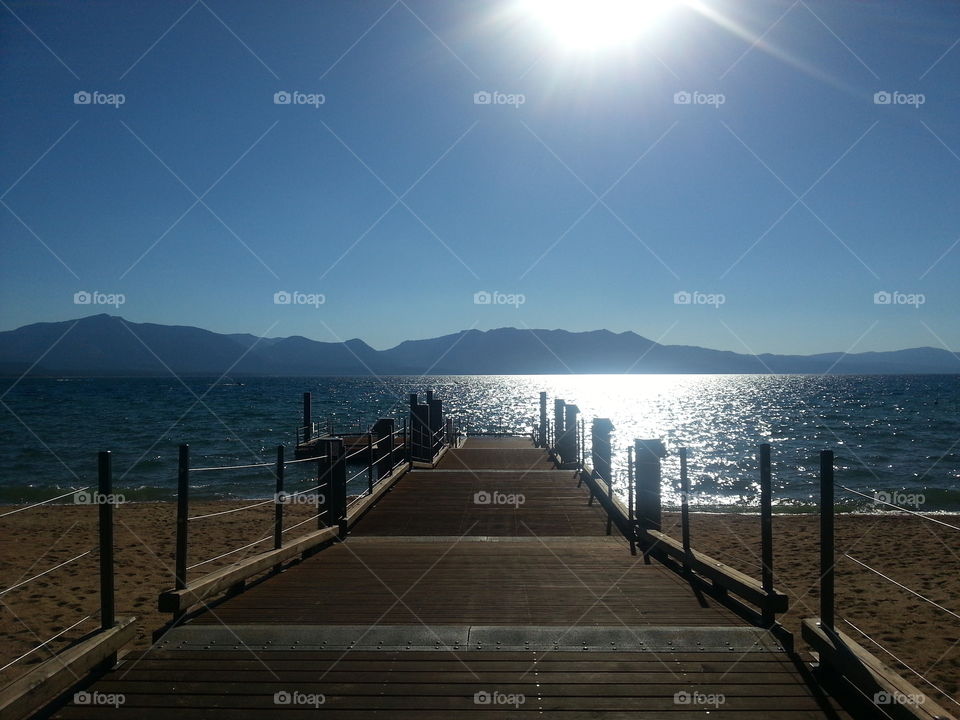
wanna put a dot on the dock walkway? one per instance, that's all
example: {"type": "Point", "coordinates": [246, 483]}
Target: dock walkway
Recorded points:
{"type": "Point", "coordinates": [483, 588]}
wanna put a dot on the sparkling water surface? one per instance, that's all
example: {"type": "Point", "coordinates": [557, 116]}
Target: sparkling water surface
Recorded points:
{"type": "Point", "coordinates": [891, 434]}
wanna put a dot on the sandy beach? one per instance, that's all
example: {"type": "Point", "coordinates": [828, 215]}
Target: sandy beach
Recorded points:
{"type": "Point", "coordinates": [919, 554]}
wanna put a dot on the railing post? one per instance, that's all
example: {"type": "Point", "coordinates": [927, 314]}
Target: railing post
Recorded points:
{"type": "Point", "coordinates": [406, 442]}
{"type": "Point", "coordinates": [105, 501]}
{"type": "Point", "coordinates": [630, 493]}
{"type": "Point", "coordinates": [685, 510]}
{"type": "Point", "coordinates": [827, 554]}
{"type": "Point", "coordinates": [449, 431]}
{"type": "Point", "coordinates": [646, 461]}
{"type": "Point", "coordinates": [307, 417]}
{"type": "Point", "coordinates": [558, 415]}
{"type": "Point", "coordinates": [338, 487]}
{"type": "Point", "coordinates": [183, 512]}
{"type": "Point", "coordinates": [383, 428]}
{"type": "Point", "coordinates": [567, 443]}
{"type": "Point", "coordinates": [766, 532]}
{"type": "Point", "coordinates": [542, 428]}
{"type": "Point", "coordinates": [370, 461]}
{"type": "Point", "coordinates": [324, 473]}
{"type": "Point", "coordinates": [278, 500]}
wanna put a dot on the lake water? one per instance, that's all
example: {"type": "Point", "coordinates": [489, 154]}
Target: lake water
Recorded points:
{"type": "Point", "coordinates": [891, 434]}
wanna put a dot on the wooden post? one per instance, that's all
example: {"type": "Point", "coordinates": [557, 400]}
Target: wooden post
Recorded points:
{"type": "Point", "coordinates": [406, 442]}
{"type": "Point", "coordinates": [383, 428]}
{"type": "Point", "coordinates": [542, 427]}
{"type": "Point", "coordinates": [370, 461]}
{"type": "Point", "coordinates": [600, 452]}
{"type": "Point", "coordinates": [685, 510]}
{"type": "Point", "coordinates": [567, 443]}
{"type": "Point", "coordinates": [766, 532]}
{"type": "Point", "coordinates": [324, 465]}
{"type": "Point", "coordinates": [307, 417]}
{"type": "Point", "coordinates": [338, 487]}
{"type": "Point", "coordinates": [278, 500]}
{"type": "Point", "coordinates": [647, 455]}
{"type": "Point", "coordinates": [105, 501]}
{"type": "Point", "coordinates": [183, 510]}
{"type": "Point", "coordinates": [630, 514]}
{"type": "Point", "coordinates": [558, 416]}
{"type": "Point", "coordinates": [827, 554]}
{"type": "Point", "coordinates": [435, 423]}
{"type": "Point", "coordinates": [448, 430]}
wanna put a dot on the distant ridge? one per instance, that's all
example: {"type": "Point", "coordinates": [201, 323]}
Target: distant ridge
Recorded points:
{"type": "Point", "coordinates": [104, 345]}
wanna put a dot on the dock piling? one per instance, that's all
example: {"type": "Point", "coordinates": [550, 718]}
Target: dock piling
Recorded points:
{"type": "Point", "coordinates": [766, 531]}
{"type": "Point", "coordinates": [105, 486]}
{"type": "Point", "coordinates": [278, 501]}
{"type": "Point", "coordinates": [183, 510]}
{"type": "Point", "coordinates": [647, 455]}
{"type": "Point", "coordinates": [685, 511]}
{"type": "Point", "coordinates": [631, 521]}
{"type": "Point", "coordinates": [827, 549]}
{"type": "Point", "coordinates": [542, 427]}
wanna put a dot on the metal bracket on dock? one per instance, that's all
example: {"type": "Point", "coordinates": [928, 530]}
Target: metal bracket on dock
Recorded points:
{"type": "Point", "coordinates": [472, 637]}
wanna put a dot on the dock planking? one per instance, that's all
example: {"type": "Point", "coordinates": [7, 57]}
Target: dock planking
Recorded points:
{"type": "Point", "coordinates": [440, 606]}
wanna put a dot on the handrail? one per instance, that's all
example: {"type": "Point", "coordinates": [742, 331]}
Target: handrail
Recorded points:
{"type": "Point", "coordinates": [44, 502]}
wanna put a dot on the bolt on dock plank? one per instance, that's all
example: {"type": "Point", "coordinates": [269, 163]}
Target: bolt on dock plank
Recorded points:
{"type": "Point", "coordinates": [485, 587]}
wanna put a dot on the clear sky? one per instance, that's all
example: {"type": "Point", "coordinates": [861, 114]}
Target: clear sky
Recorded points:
{"type": "Point", "coordinates": [783, 196]}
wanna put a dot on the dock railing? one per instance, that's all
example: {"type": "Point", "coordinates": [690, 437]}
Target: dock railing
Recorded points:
{"type": "Point", "coordinates": [97, 648]}
{"type": "Point", "coordinates": [876, 689]}
{"type": "Point", "coordinates": [337, 490]}
{"type": "Point", "coordinates": [855, 669]}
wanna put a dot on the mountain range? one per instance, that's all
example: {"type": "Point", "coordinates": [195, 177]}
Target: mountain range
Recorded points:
{"type": "Point", "coordinates": [105, 345]}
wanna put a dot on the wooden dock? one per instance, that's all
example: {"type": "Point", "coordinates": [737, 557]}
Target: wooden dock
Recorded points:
{"type": "Point", "coordinates": [483, 587]}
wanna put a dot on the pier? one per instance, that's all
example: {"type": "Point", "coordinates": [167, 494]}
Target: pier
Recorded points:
{"type": "Point", "coordinates": [486, 576]}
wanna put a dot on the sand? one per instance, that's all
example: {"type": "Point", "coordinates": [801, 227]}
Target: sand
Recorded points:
{"type": "Point", "coordinates": [917, 553]}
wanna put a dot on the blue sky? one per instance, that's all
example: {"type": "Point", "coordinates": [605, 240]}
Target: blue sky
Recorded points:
{"type": "Point", "coordinates": [782, 198]}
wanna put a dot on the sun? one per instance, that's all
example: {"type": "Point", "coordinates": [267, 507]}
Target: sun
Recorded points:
{"type": "Point", "coordinates": [591, 25]}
